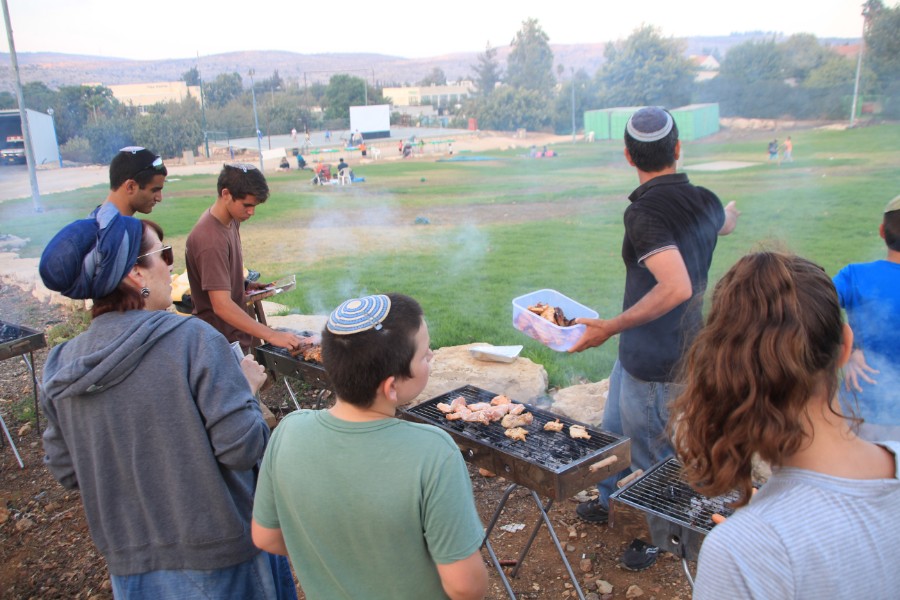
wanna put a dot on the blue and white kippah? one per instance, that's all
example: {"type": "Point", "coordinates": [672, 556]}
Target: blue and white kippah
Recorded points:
{"type": "Point", "coordinates": [650, 124]}
{"type": "Point", "coordinates": [359, 314]}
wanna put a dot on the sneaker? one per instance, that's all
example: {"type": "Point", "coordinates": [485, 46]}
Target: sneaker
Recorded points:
{"type": "Point", "coordinates": [639, 556]}
{"type": "Point", "coordinates": [592, 512]}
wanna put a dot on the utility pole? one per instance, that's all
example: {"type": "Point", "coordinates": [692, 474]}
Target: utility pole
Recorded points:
{"type": "Point", "coordinates": [202, 107]}
{"type": "Point", "coordinates": [862, 47]}
{"type": "Point", "coordinates": [23, 114]}
{"type": "Point", "coordinates": [572, 70]}
{"type": "Point", "coordinates": [255, 120]}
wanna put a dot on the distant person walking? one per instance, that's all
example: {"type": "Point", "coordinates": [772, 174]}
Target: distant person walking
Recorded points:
{"type": "Point", "coordinates": [293, 134]}
{"type": "Point", "coordinates": [787, 150]}
{"type": "Point", "coordinates": [773, 150]}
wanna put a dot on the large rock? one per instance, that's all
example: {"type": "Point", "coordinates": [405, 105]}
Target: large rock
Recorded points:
{"type": "Point", "coordinates": [453, 367]}
{"type": "Point", "coordinates": [313, 323]}
{"type": "Point", "coordinates": [583, 402]}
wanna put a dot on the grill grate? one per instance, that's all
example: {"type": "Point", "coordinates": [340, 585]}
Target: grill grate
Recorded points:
{"type": "Point", "coordinates": [550, 450]}
{"type": "Point", "coordinates": [661, 492]}
{"type": "Point", "coordinates": [280, 361]}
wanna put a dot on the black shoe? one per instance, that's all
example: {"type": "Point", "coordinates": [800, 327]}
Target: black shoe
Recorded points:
{"type": "Point", "coordinates": [639, 556]}
{"type": "Point", "coordinates": [592, 512]}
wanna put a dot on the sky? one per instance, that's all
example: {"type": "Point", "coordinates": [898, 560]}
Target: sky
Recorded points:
{"type": "Point", "coordinates": [165, 29]}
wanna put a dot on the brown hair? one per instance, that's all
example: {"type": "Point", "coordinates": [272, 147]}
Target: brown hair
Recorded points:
{"type": "Point", "coordinates": [125, 297]}
{"type": "Point", "coordinates": [358, 363]}
{"type": "Point", "coordinates": [772, 340]}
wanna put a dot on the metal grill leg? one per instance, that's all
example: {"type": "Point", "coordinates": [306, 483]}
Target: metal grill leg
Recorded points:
{"type": "Point", "coordinates": [291, 392]}
{"type": "Point", "coordinates": [542, 518]}
{"type": "Point", "coordinates": [687, 572]}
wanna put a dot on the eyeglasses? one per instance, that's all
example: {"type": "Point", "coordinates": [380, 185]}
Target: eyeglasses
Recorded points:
{"type": "Point", "coordinates": [167, 255]}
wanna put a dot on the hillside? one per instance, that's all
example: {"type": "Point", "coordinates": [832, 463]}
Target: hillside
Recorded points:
{"type": "Point", "coordinates": [67, 69]}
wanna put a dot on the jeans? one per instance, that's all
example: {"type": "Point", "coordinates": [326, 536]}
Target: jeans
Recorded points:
{"type": "Point", "coordinates": [639, 410]}
{"type": "Point", "coordinates": [254, 579]}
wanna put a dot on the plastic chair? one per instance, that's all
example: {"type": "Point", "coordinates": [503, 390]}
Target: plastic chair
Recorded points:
{"type": "Point", "coordinates": [344, 176]}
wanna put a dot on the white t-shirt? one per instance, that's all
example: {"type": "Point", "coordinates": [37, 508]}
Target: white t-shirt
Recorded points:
{"type": "Point", "coordinates": [807, 535]}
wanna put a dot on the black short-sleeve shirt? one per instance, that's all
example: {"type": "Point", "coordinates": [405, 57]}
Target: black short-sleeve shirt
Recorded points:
{"type": "Point", "coordinates": [667, 212]}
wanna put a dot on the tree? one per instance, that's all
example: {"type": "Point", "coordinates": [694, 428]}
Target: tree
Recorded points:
{"type": "Point", "coordinates": [646, 69]}
{"type": "Point", "coordinates": [487, 71]}
{"type": "Point", "coordinates": [508, 109]}
{"type": "Point", "coordinates": [106, 136]}
{"type": "Point", "coordinates": [436, 77]}
{"type": "Point", "coordinates": [191, 76]}
{"type": "Point", "coordinates": [343, 92]}
{"type": "Point", "coordinates": [170, 128]}
{"type": "Point", "coordinates": [38, 96]}
{"type": "Point", "coordinates": [751, 82]}
{"type": "Point", "coordinates": [224, 88]}
{"type": "Point", "coordinates": [802, 53]}
{"type": "Point", "coordinates": [7, 101]}
{"type": "Point", "coordinates": [530, 63]}
{"type": "Point", "coordinates": [585, 96]}
{"type": "Point", "coordinates": [883, 50]}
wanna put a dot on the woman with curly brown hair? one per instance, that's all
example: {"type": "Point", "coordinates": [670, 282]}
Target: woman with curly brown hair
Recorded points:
{"type": "Point", "coordinates": [762, 379]}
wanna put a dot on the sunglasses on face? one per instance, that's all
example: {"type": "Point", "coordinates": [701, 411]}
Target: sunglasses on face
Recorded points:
{"type": "Point", "coordinates": [167, 255]}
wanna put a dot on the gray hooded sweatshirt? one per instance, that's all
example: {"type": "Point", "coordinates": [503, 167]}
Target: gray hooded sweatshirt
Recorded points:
{"type": "Point", "coordinates": [151, 417]}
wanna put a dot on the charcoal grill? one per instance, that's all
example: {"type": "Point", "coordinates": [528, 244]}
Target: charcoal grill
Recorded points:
{"type": "Point", "coordinates": [279, 361]}
{"type": "Point", "coordinates": [678, 517]}
{"type": "Point", "coordinates": [16, 340]}
{"type": "Point", "coordinates": [548, 463]}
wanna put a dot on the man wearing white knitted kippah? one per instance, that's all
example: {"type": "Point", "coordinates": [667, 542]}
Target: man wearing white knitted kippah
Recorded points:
{"type": "Point", "coordinates": [671, 229]}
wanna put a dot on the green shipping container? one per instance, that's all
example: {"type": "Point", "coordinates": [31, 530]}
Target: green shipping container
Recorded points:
{"type": "Point", "coordinates": [598, 122]}
{"type": "Point", "coordinates": [696, 121]}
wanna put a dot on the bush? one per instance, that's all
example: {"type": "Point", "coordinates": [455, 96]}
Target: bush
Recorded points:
{"type": "Point", "coordinates": [77, 149]}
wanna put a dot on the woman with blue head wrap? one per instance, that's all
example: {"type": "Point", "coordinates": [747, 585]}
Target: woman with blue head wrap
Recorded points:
{"type": "Point", "coordinates": [152, 418]}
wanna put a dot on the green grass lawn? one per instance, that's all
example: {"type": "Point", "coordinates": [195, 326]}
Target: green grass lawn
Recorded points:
{"type": "Point", "coordinates": [506, 227]}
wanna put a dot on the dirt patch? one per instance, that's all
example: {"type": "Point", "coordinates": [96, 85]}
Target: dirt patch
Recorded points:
{"type": "Point", "coordinates": [46, 551]}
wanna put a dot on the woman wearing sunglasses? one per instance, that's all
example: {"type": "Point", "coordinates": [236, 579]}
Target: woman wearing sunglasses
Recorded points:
{"type": "Point", "coordinates": [151, 416]}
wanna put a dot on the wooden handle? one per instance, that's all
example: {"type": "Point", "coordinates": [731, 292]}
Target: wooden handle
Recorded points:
{"type": "Point", "coordinates": [626, 480]}
{"type": "Point", "coordinates": [609, 460]}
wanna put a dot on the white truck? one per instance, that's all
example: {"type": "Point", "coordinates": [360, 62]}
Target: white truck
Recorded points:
{"type": "Point", "coordinates": [14, 152]}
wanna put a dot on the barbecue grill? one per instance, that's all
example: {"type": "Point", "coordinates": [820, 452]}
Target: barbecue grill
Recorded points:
{"type": "Point", "coordinates": [550, 463]}
{"type": "Point", "coordinates": [16, 340]}
{"type": "Point", "coordinates": [279, 361]}
{"type": "Point", "coordinates": [678, 517]}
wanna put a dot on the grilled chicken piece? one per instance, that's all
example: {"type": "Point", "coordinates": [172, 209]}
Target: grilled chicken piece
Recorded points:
{"type": "Point", "coordinates": [479, 406]}
{"type": "Point", "coordinates": [516, 433]}
{"type": "Point", "coordinates": [313, 354]}
{"type": "Point", "coordinates": [553, 426]}
{"type": "Point", "coordinates": [444, 408]}
{"type": "Point", "coordinates": [477, 416]}
{"type": "Point", "coordinates": [516, 409]}
{"type": "Point", "coordinates": [512, 421]}
{"type": "Point", "coordinates": [578, 432]}
{"type": "Point", "coordinates": [501, 399]}
{"type": "Point", "coordinates": [495, 413]}
{"type": "Point", "coordinates": [460, 413]}
{"type": "Point", "coordinates": [457, 402]}
{"type": "Point", "coordinates": [538, 308]}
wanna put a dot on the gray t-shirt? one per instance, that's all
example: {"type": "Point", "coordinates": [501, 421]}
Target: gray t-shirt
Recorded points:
{"type": "Point", "coordinates": [807, 535]}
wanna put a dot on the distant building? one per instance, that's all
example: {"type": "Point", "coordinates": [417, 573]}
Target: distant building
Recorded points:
{"type": "Point", "coordinates": [144, 95]}
{"type": "Point", "coordinates": [707, 66]}
{"type": "Point", "coordinates": [439, 96]}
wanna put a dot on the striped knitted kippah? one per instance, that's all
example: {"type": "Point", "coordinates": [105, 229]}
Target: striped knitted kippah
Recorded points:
{"type": "Point", "coordinates": [359, 314]}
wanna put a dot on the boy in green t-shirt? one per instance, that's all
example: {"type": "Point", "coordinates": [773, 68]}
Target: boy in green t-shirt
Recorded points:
{"type": "Point", "coordinates": [365, 504]}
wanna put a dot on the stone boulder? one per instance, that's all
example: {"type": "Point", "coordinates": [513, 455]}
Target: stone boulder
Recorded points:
{"type": "Point", "coordinates": [313, 323]}
{"type": "Point", "coordinates": [584, 402]}
{"type": "Point", "coordinates": [453, 367]}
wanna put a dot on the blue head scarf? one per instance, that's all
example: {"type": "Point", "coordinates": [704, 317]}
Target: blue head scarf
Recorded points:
{"type": "Point", "coordinates": [90, 257]}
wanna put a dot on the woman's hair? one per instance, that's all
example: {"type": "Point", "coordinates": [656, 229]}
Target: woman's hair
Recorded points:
{"type": "Point", "coordinates": [772, 340]}
{"type": "Point", "coordinates": [125, 297]}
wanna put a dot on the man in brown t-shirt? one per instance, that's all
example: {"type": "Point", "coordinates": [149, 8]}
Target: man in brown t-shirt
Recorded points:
{"type": "Point", "coordinates": [215, 263]}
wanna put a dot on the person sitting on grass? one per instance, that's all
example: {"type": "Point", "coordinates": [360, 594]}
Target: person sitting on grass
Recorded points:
{"type": "Point", "coordinates": [762, 379]}
{"type": "Point", "coordinates": [407, 527]}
